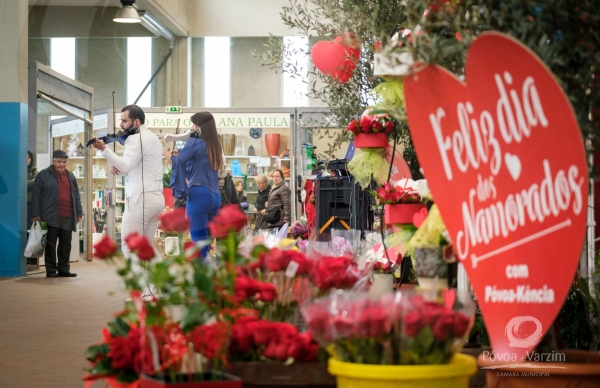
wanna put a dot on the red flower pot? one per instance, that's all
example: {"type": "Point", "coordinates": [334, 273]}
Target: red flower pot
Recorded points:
{"type": "Point", "coordinates": [272, 141]}
{"type": "Point", "coordinates": [223, 381]}
{"type": "Point", "coordinates": [370, 140]}
{"type": "Point", "coordinates": [168, 194]}
{"type": "Point", "coordinates": [401, 213]}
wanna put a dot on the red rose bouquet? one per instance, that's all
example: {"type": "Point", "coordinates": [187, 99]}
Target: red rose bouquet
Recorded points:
{"type": "Point", "coordinates": [432, 331]}
{"type": "Point", "coordinates": [355, 328]}
{"type": "Point", "coordinates": [400, 328]}
{"type": "Point", "coordinates": [389, 194]}
{"type": "Point", "coordinates": [372, 124]}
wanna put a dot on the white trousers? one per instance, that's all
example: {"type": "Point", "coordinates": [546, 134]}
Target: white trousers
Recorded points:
{"type": "Point", "coordinates": [141, 217]}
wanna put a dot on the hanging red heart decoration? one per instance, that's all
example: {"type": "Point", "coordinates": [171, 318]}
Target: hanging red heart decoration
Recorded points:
{"type": "Point", "coordinates": [336, 59]}
{"type": "Point", "coordinates": [504, 159]}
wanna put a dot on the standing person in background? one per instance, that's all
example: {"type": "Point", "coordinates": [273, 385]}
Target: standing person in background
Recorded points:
{"type": "Point", "coordinates": [261, 199]}
{"type": "Point", "coordinates": [200, 161]}
{"type": "Point", "coordinates": [279, 198]}
{"type": "Point", "coordinates": [56, 202]}
{"type": "Point", "coordinates": [141, 163]}
{"type": "Point", "coordinates": [31, 173]}
{"type": "Point", "coordinates": [241, 194]}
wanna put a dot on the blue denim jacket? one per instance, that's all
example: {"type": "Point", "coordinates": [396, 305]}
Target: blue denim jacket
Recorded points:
{"type": "Point", "coordinates": [193, 164]}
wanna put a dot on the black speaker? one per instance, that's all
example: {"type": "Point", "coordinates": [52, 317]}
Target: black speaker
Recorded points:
{"type": "Point", "coordinates": [343, 198]}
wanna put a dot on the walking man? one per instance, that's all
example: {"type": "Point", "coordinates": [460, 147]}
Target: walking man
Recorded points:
{"type": "Point", "coordinates": [56, 202]}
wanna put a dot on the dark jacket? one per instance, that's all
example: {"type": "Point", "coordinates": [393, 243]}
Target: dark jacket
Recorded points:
{"type": "Point", "coordinates": [31, 173]}
{"type": "Point", "coordinates": [261, 198]}
{"type": "Point", "coordinates": [242, 199]}
{"type": "Point", "coordinates": [227, 189]}
{"type": "Point", "coordinates": [44, 203]}
{"type": "Point", "coordinates": [280, 198]}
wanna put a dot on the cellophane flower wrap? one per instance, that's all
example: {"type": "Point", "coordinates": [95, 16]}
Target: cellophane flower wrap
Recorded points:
{"type": "Point", "coordinates": [355, 327]}
{"type": "Point", "coordinates": [434, 329]}
{"type": "Point", "coordinates": [402, 328]}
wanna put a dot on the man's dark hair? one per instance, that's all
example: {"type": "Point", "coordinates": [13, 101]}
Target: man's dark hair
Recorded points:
{"type": "Point", "coordinates": [135, 112]}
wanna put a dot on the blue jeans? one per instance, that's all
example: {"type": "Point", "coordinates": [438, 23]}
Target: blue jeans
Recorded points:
{"type": "Point", "coordinates": [202, 206]}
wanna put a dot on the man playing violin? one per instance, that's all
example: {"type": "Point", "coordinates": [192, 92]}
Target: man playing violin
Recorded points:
{"type": "Point", "coordinates": [141, 164]}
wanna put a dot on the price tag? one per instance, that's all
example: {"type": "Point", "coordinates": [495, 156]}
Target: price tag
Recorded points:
{"type": "Point", "coordinates": [291, 269]}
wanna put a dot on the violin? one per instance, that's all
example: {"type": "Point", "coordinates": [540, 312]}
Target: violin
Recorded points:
{"type": "Point", "coordinates": [120, 136]}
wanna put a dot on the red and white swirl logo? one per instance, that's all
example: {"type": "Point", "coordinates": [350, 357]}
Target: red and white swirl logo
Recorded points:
{"type": "Point", "coordinates": [519, 333]}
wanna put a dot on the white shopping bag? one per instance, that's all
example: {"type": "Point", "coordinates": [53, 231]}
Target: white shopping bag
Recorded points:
{"type": "Point", "coordinates": [36, 241]}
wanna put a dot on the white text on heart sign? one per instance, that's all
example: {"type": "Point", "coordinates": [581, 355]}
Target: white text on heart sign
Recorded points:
{"type": "Point", "coordinates": [475, 144]}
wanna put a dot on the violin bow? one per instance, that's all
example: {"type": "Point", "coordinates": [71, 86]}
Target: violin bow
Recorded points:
{"type": "Point", "coordinates": [176, 132]}
{"type": "Point", "coordinates": [114, 111]}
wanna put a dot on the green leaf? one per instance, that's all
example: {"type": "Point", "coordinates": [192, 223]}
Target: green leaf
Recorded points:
{"type": "Point", "coordinates": [94, 351]}
{"type": "Point", "coordinates": [424, 340]}
{"type": "Point", "coordinates": [257, 250]}
{"type": "Point", "coordinates": [118, 327]}
{"type": "Point", "coordinates": [193, 316]}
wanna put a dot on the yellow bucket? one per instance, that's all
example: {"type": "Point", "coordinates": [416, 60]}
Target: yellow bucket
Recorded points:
{"type": "Point", "coordinates": [453, 375]}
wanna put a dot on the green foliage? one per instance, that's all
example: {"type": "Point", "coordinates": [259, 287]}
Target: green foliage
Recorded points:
{"type": "Point", "coordinates": [574, 330]}
{"type": "Point", "coordinates": [167, 179]}
{"type": "Point", "coordinates": [367, 164]}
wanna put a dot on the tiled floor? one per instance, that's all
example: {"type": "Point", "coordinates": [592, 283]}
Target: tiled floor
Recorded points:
{"type": "Point", "coordinates": [46, 324]}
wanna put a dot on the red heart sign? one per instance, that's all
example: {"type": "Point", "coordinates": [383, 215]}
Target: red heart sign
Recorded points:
{"type": "Point", "coordinates": [504, 159]}
{"type": "Point", "coordinates": [335, 59]}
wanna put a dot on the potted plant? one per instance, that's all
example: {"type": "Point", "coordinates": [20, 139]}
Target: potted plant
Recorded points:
{"type": "Point", "coordinates": [402, 202]}
{"type": "Point", "coordinates": [371, 131]}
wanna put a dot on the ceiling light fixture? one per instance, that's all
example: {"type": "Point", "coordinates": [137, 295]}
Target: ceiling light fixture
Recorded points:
{"type": "Point", "coordinates": [127, 13]}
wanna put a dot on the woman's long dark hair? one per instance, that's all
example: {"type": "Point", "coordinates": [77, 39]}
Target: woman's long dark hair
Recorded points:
{"type": "Point", "coordinates": [208, 129]}
{"type": "Point", "coordinates": [31, 157]}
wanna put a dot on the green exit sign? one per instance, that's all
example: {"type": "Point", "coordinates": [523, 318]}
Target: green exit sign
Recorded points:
{"type": "Point", "coordinates": [173, 109]}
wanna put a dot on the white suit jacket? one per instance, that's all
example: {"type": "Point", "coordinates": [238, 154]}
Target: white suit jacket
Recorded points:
{"type": "Point", "coordinates": [141, 162]}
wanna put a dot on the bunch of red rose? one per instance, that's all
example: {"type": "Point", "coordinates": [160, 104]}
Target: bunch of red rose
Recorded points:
{"type": "Point", "coordinates": [250, 289]}
{"type": "Point", "coordinates": [334, 272]}
{"type": "Point", "coordinates": [356, 328]}
{"type": "Point", "coordinates": [279, 260]}
{"type": "Point", "coordinates": [252, 338]}
{"type": "Point", "coordinates": [273, 340]}
{"type": "Point", "coordinates": [391, 195]}
{"type": "Point", "coordinates": [126, 351]}
{"type": "Point", "coordinates": [372, 124]}
{"type": "Point", "coordinates": [443, 322]}
{"type": "Point", "coordinates": [431, 331]}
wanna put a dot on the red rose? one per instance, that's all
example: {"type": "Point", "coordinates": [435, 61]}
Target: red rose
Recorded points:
{"type": "Point", "coordinates": [430, 312]}
{"type": "Point", "coordinates": [366, 123]}
{"type": "Point", "coordinates": [389, 127]}
{"type": "Point", "coordinates": [412, 323]}
{"type": "Point", "coordinates": [230, 219]}
{"type": "Point", "coordinates": [271, 350]}
{"type": "Point", "coordinates": [105, 248]}
{"type": "Point", "coordinates": [145, 252]}
{"type": "Point", "coordinates": [262, 332]}
{"type": "Point", "coordinates": [461, 324]}
{"type": "Point", "coordinates": [174, 221]}
{"type": "Point", "coordinates": [276, 260]}
{"type": "Point", "coordinates": [377, 126]}
{"type": "Point", "coordinates": [443, 326]}
{"type": "Point", "coordinates": [267, 292]}
{"type": "Point", "coordinates": [354, 126]}
{"type": "Point", "coordinates": [135, 240]}
{"type": "Point", "coordinates": [140, 245]}
{"type": "Point", "coordinates": [375, 318]}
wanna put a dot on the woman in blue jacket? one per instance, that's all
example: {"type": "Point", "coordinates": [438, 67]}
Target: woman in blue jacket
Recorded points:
{"type": "Point", "coordinates": [199, 162]}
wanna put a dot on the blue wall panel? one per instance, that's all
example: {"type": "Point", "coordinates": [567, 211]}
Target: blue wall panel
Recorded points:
{"type": "Point", "coordinates": [13, 188]}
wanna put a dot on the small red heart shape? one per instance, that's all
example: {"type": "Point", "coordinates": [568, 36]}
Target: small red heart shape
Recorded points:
{"type": "Point", "coordinates": [449, 295]}
{"type": "Point", "coordinates": [335, 59]}
{"type": "Point", "coordinates": [505, 162]}
{"type": "Point", "coordinates": [419, 217]}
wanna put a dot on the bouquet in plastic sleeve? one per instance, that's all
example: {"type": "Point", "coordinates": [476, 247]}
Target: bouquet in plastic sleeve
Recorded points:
{"type": "Point", "coordinates": [355, 327]}
{"type": "Point", "coordinates": [433, 330]}
{"type": "Point", "coordinates": [392, 329]}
